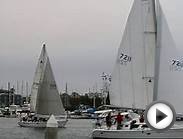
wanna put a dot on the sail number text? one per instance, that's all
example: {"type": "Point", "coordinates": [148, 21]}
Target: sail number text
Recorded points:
{"type": "Point", "coordinates": [176, 65]}
{"type": "Point", "coordinates": [125, 58]}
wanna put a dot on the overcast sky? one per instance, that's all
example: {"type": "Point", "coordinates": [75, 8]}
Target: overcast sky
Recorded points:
{"type": "Point", "coordinates": [82, 37]}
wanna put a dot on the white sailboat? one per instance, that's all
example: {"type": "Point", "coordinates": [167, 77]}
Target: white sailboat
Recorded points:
{"type": "Point", "coordinates": [45, 99]}
{"type": "Point", "coordinates": [147, 68]}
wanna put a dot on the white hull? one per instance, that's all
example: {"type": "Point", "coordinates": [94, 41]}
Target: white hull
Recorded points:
{"type": "Point", "coordinates": [80, 117]}
{"type": "Point", "coordinates": [118, 134]}
{"type": "Point", "coordinates": [61, 124]}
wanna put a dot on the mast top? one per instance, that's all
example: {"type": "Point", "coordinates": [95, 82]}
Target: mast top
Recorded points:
{"type": "Point", "coordinates": [44, 45]}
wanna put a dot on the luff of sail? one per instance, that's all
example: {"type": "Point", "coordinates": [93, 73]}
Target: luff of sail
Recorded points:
{"type": "Point", "coordinates": [169, 65]}
{"type": "Point", "coordinates": [47, 97]}
{"type": "Point", "coordinates": [132, 78]}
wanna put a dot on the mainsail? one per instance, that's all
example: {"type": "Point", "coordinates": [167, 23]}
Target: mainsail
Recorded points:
{"type": "Point", "coordinates": [37, 78]}
{"type": "Point", "coordinates": [169, 65]}
{"type": "Point", "coordinates": [132, 79]}
{"type": "Point", "coordinates": [45, 99]}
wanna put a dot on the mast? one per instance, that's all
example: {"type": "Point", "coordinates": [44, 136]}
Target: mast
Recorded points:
{"type": "Point", "coordinates": [22, 92]}
{"type": "Point", "coordinates": [66, 91]}
{"type": "Point", "coordinates": [157, 52]}
{"type": "Point", "coordinates": [17, 87]}
{"type": "Point", "coordinates": [66, 88]}
{"type": "Point", "coordinates": [13, 91]}
{"type": "Point", "coordinates": [94, 95]}
{"type": "Point", "coordinates": [9, 94]}
{"type": "Point", "coordinates": [27, 92]}
{"type": "Point", "coordinates": [150, 44]}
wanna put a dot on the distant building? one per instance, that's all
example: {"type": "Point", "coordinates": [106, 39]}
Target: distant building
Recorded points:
{"type": "Point", "coordinates": [65, 100]}
{"type": "Point", "coordinates": [75, 95]}
{"type": "Point", "coordinates": [91, 95]}
{"type": "Point", "coordinates": [100, 95]}
{"type": "Point", "coordinates": [8, 97]}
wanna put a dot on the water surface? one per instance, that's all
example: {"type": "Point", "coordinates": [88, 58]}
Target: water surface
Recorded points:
{"type": "Point", "coordinates": [75, 129]}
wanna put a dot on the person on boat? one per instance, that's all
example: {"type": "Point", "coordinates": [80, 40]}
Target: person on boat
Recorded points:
{"type": "Point", "coordinates": [141, 119]}
{"type": "Point", "coordinates": [25, 118]}
{"type": "Point", "coordinates": [132, 124]}
{"type": "Point", "coordinates": [127, 118]}
{"type": "Point", "coordinates": [119, 120]}
{"type": "Point", "coordinates": [108, 121]}
{"type": "Point", "coordinates": [35, 119]}
{"type": "Point", "coordinates": [98, 123]}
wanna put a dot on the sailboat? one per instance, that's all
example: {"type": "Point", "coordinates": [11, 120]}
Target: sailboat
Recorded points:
{"type": "Point", "coordinates": [45, 99]}
{"type": "Point", "coordinates": [148, 68]}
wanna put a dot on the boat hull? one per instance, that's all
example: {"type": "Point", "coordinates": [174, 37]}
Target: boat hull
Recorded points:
{"type": "Point", "coordinates": [61, 124]}
{"type": "Point", "coordinates": [119, 134]}
{"type": "Point", "coordinates": [80, 117]}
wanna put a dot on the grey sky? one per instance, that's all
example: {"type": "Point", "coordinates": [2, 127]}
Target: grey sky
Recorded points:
{"type": "Point", "coordinates": [82, 37]}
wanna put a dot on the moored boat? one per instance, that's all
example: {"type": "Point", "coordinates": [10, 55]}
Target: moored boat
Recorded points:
{"type": "Point", "coordinates": [136, 133]}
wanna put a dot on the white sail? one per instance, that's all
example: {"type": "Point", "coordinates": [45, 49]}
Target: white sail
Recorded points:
{"type": "Point", "coordinates": [37, 78]}
{"type": "Point", "coordinates": [132, 78]}
{"type": "Point", "coordinates": [46, 99]}
{"type": "Point", "coordinates": [169, 64]}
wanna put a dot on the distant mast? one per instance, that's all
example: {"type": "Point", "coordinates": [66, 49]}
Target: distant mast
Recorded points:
{"type": "Point", "coordinates": [27, 92]}
{"type": "Point", "coordinates": [22, 92]}
{"type": "Point", "coordinates": [66, 100]}
{"type": "Point", "coordinates": [13, 95]}
{"type": "Point", "coordinates": [9, 94]}
{"type": "Point", "coordinates": [66, 88]}
{"type": "Point", "coordinates": [17, 87]}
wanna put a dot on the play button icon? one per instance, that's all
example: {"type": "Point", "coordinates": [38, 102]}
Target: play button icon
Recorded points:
{"type": "Point", "coordinates": [160, 115]}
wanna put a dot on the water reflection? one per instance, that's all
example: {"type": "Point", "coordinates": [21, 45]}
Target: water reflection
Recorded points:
{"type": "Point", "coordinates": [51, 133]}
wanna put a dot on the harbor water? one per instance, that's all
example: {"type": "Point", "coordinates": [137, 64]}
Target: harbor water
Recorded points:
{"type": "Point", "coordinates": [75, 129]}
